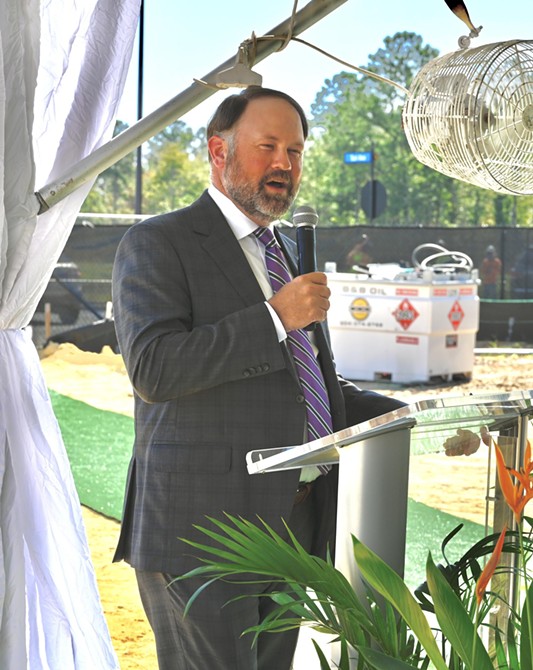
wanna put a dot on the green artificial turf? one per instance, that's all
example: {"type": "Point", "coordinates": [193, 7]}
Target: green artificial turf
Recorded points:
{"type": "Point", "coordinates": [99, 446]}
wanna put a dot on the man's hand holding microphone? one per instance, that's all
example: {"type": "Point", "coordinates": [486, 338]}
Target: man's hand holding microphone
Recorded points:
{"type": "Point", "coordinates": [305, 300]}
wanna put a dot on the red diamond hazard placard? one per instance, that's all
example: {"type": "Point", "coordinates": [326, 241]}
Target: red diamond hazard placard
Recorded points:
{"type": "Point", "coordinates": [456, 315]}
{"type": "Point", "coordinates": [405, 314]}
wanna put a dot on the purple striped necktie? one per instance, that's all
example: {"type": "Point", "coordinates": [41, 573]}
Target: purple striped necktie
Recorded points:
{"type": "Point", "coordinates": [311, 379]}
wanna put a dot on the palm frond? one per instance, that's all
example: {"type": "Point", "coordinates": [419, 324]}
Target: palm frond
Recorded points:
{"type": "Point", "coordinates": [315, 591]}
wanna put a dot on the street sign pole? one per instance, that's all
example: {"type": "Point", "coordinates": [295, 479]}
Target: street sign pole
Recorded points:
{"type": "Point", "coordinates": [373, 194]}
{"type": "Point", "coordinates": [373, 197]}
{"type": "Point", "coordinates": [361, 157]}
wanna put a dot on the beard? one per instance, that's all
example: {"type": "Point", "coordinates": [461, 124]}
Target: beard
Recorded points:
{"type": "Point", "coordinates": [254, 199]}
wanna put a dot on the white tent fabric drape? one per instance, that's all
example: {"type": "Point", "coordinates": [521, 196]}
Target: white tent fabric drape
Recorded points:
{"type": "Point", "coordinates": [63, 65]}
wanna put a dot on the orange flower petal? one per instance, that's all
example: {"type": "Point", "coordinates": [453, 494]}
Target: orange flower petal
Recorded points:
{"type": "Point", "coordinates": [490, 567]}
{"type": "Point", "coordinates": [524, 482]}
{"type": "Point", "coordinates": [506, 483]}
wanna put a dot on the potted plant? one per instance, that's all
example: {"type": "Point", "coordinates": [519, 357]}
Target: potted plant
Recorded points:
{"type": "Point", "coordinates": [390, 630]}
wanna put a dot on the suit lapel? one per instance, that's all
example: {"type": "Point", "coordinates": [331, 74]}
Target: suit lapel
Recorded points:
{"type": "Point", "coordinates": [225, 251]}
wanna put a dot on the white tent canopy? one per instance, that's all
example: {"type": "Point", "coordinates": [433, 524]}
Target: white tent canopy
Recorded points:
{"type": "Point", "coordinates": [62, 71]}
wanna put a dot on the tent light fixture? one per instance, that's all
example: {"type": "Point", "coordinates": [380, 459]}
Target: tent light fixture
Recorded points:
{"type": "Point", "coordinates": [239, 75]}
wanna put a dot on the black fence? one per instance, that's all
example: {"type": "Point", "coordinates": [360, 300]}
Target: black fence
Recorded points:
{"type": "Point", "coordinates": [83, 279]}
{"type": "Point", "coordinates": [396, 245]}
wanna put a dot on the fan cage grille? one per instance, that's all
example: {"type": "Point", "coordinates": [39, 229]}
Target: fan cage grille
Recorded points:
{"type": "Point", "coordinates": [469, 115]}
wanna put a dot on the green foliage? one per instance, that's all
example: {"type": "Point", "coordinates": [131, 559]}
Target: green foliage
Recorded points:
{"type": "Point", "coordinates": [114, 189]}
{"type": "Point", "coordinates": [390, 585]}
{"type": "Point", "coordinates": [387, 630]}
{"type": "Point", "coordinates": [177, 133]}
{"type": "Point", "coordinates": [455, 622]}
{"type": "Point", "coordinates": [173, 179]}
{"type": "Point", "coordinates": [526, 633]}
{"type": "Point", "coordinates": [357, 113]}
{"type": "Point", "coordinates": [399, 60]}
{"type": "Point", "coordinates": [318, 595]}
{"type": "Point", "coordinates": [174, 173]}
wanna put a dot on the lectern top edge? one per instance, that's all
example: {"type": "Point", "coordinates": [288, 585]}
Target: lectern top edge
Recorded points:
{"type": "Point", "coordinates": [431, 422]}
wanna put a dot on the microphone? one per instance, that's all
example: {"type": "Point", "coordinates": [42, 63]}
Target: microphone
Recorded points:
{"type": "Point", "coordinates": [304, 220]}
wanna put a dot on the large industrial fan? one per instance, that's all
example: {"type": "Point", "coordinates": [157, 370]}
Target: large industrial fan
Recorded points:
{"type": "Point", "coordinates": [469, 115]}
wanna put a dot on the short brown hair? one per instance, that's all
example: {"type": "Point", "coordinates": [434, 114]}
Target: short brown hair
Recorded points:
{"type": "Point", "coordinates": [232, 108]}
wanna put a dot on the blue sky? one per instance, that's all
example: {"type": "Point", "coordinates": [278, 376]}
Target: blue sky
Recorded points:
{"type": "Point", "coordinates": [186, 40]}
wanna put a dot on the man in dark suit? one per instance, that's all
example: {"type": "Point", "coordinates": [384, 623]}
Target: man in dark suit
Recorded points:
{"type": "Point", "coordinates": [204, 339]}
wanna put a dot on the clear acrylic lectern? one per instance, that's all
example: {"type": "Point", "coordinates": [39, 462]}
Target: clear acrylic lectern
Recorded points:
{"type": "Point", "coordinates": [373, 459]}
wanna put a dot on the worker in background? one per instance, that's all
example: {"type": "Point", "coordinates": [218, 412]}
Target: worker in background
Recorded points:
{"type": "Point", "coordinates": [490, 274]}
{"type": "Point", "coordinates": [360, 255]}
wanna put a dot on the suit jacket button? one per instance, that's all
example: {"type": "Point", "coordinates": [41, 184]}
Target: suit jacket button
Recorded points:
{"type": "Point", "coordinates": [300, 398]}
{"type": "Point", "coordinates": [266, 367]}
{"type": "Point", "coordinates": [246, 373]}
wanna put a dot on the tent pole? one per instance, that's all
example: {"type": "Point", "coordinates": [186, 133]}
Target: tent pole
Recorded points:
{"type": "Point", "coordinates": [111, 152]}
{"type": "Point", "coordinates": [140, 97]}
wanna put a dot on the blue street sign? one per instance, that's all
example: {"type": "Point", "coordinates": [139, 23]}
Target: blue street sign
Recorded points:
{"type": "Point", "coordinates": [358, 157]}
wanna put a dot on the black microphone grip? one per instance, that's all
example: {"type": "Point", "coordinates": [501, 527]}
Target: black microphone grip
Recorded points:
{"type": "Point", "coordinates": [306, 243]}
{"type": "Point", "coordinates": [305, 219]}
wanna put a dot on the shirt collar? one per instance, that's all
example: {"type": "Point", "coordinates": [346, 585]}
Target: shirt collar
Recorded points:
{"type": "Point", "coordinates": [240, 224]}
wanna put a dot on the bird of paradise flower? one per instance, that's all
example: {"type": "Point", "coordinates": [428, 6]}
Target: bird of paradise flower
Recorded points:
{"type": "Point", "coordinates": [518, 494]}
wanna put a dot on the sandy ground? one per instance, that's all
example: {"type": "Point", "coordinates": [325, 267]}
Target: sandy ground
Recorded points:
{"type": "Point", "coordinates": [100, 380]}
